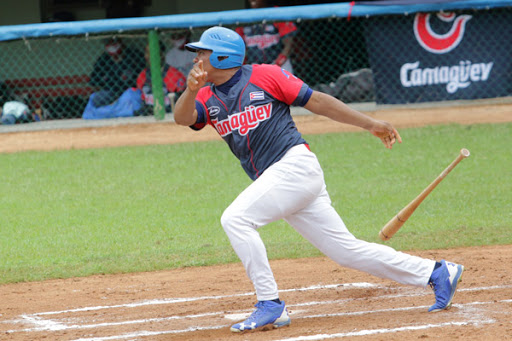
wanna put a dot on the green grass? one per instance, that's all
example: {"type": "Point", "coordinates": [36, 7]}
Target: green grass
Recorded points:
{"type": "Point", "coordinates": [81, 212]}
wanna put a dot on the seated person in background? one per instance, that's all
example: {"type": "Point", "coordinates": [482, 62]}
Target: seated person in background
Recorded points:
{"type": "Point", "coordinates": [115, 71]}
{"type": "Point", "coordinates": [178, 56]}
{"type": "Point", "coordinates": [14, 110]}
{"type": "Point", "coordinates": [174, 83]}
{"type": "Point", "coordinates": [268, 43]}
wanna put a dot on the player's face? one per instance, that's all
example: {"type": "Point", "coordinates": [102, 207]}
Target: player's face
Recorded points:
{"type": "Point", "coordinates": [204, 55]}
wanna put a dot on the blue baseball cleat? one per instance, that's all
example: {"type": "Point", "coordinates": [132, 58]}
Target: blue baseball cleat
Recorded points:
{"type": "Point", "coordinates": [266, 313]}
{"type": "Point", "coordinates": [444, 282]}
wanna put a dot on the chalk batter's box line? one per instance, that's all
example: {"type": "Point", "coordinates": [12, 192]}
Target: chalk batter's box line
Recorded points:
{"type": "Point", "coordinates": [310, 288]}
{"type": "Point", "coordinates": [345, 286]}
{"type": "Point", "coordinates": [476, 321]}
{"type": "Point", "coordinates": [53, 325]}
{"type": "Point", "coordinates": [309, 337]}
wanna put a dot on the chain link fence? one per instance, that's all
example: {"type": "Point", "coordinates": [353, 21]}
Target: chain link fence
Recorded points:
{"type": "Point", "coordinates": [56, 76]}
{"type": "Point", "coordinates": [361, 59]}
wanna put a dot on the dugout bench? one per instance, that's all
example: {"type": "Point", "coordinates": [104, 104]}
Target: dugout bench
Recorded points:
{"type": "Point", "coordinates": [58, 97]}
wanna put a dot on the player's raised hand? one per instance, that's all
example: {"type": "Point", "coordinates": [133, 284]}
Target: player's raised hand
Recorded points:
{"type": "Point", "coordinates": [386, 133]}
{"type": "Point", "coordinates": [197, 77]}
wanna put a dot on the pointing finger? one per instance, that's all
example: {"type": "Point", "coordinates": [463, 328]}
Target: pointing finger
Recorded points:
{"type": "Point", "coordinates": [397, 135]}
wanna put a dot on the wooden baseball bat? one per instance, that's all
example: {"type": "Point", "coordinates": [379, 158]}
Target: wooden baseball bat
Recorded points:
{"type": "Point", "coordinates": [397, 221]}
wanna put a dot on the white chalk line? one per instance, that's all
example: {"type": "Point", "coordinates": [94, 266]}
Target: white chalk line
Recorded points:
{"type": "Point", "coordinates": [192, 299]}
{"type": "Point", "coordinates": [48, 324]}
{"type": "Point", "coordinates": [150, 333]}
{"type": "Point", "coordinates": [323, 336]}
{"type": "Point", "coordinates": [51, 325]}
{"type": "Point", "coordinates": [425, 307]}
{"type": "Point", "coordinates": [201, 298]}
{"type": "Point", "coordinates": [42, 324]}
{"type": "Point", "coordinates": [474, 321]}
{"type": "Point", "coordinates": [367, 332]}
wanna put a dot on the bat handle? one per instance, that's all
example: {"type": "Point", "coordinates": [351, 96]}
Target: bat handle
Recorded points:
{"type": "Point", "coordinates": [464, 153]}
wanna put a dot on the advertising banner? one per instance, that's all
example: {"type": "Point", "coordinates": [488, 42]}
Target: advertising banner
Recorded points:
{"type": "Point", "coordinates": [428, 57]}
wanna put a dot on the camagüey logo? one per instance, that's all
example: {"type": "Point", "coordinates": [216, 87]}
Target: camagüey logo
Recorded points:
{"type": "Point", "coordinates": [457, 76]}
{"type": "Point", "coordinates": [243, 121]}
{"type": "Point", "coordinates": [440, 43]}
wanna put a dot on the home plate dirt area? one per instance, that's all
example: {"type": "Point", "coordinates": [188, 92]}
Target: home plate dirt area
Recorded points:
{"type": "Point", "coordinates": [325, 301]}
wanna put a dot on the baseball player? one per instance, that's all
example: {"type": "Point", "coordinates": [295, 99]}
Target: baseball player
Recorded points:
{"type": "Point", "coordinates": [249, 106]}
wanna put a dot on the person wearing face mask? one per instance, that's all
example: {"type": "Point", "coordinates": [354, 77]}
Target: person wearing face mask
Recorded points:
{"type": "Point", "coordinates": [114, 75]}
{"type": "Point", "coordinates": [115, 71]}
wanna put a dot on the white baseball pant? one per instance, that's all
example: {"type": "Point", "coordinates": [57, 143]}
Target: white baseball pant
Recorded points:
{"type": "Point", "coordinates": [294, 189]}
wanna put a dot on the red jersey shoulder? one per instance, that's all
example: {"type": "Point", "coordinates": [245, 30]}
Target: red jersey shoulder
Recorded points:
{"type": "Point", "coordinates": [262, 71]}
{"type": "Point", "coordinates": [204, 94]}
{"type": "Point", "coordinates": [280, 83]}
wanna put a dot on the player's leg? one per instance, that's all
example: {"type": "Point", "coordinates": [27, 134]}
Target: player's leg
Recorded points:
{"type": "Point", "coordinates": [322, 226]}
{"type": "Point", "coordinates": [271, 197]}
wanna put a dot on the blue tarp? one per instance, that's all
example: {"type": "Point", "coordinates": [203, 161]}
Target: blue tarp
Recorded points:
{"type": "Point", "coordinates": [125, 106]}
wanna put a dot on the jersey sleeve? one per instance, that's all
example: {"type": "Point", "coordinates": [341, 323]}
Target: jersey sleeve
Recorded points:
{"type": "Point", "coordinates": [281, 84]}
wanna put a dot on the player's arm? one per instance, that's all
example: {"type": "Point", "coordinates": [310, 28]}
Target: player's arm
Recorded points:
{"type": "Point", "coordinates": [326, 105]}
{"type": "Point", "coordinates": [185, 112]}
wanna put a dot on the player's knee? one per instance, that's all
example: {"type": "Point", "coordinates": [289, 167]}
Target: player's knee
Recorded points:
{"type": "Point", "coordinates": [230, 220]}
{"type": "Point", "coordinates": [226, 220]}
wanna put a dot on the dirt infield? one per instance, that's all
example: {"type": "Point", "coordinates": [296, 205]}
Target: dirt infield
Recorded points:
{"type": "Point", "coordinates": [325, 301]}
{"type": "Point", "coordinates": [167, 132]}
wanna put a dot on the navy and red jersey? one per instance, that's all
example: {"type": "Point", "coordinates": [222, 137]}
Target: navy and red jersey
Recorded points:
{"type": "Point", "coordinates": [264, 41]}
{"type": "Point", "coordinates": [251, 112]}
